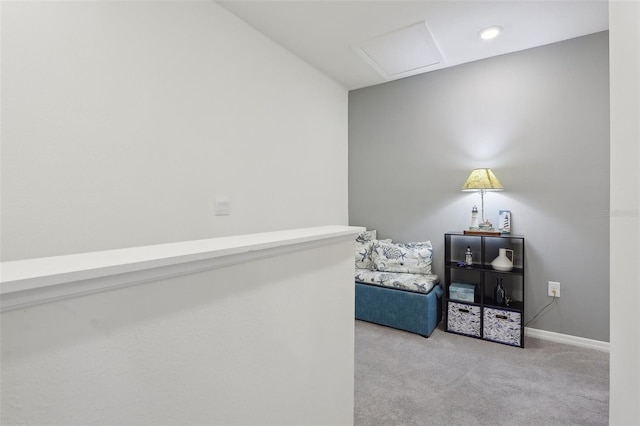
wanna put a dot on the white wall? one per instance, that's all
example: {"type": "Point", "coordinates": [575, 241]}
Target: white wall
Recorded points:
{"type": "Point", "coordinates": [267, 342]}
{"type": "Point", "coordinates": [122, 121]}
{"type": "Point", "coordinates": [624, 405]}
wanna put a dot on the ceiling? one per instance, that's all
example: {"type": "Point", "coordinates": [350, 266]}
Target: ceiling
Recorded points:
{"type": "Point", "coordinates": [341, 38]}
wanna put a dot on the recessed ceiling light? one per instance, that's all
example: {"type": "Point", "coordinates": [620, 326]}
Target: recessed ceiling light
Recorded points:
{"type": "Point", "coordinates": [490, 32]}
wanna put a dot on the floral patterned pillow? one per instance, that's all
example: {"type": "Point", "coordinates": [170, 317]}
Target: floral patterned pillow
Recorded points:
{"type": "Point", "coordinates": [413, 258]}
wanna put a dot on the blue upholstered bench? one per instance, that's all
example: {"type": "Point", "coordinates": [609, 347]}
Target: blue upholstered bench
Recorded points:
{"type": "Point", "coordinates": [418, 313]}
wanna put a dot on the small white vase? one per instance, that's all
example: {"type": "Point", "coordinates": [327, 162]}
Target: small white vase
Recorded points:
{"type": "Point", "coordinates": [503, 262]}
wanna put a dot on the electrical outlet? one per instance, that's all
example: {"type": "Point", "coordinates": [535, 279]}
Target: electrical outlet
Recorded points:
{"type": "Point", "coordinates": [554, 288]}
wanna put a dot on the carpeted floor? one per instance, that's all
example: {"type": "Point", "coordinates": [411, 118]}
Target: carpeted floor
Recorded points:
{"type": "Point", "coordinates": [447, 379]}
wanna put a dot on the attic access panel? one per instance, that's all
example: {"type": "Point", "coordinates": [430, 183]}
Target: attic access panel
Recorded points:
{"type": "Point", "coordinates": [402, 53]}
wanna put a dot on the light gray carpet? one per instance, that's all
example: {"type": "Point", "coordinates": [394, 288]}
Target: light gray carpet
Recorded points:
{"type": "Point", "coordinates": [447, 379]}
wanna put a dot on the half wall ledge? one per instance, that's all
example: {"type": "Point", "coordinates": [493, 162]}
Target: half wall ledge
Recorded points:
{"type": "Point", "coordinates": [33, 281]}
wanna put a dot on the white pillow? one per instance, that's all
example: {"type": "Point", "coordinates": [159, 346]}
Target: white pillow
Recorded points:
{"type": "Point", "coordinates": [413, 258]}
{"type": "Point", "coordinates": [364, 243]}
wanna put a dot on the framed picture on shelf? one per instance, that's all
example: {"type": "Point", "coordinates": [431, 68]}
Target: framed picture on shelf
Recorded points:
{"type": "Point", "coordinates": [504, 221]}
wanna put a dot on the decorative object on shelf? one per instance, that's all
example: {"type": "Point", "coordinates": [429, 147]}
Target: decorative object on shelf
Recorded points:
{"type": "Point", "coordinates": [498, 293]}
{"type": "Point", "coordinates": [486, 226]}
{"type": "Point", "coordinates": [488, 233]}
{"type": "Point", "coordinates": [474, 218]}
{"type": "Point", "coordinates": [468, 256]}
{"type": "Point", "coordinates": [482, 180]}
{"type": "Point", "coordinates": [504, 221]}
{"type": "Point", "coordinates": [503, 262]}
{"type": "Point", "coordinates": [463, 292]}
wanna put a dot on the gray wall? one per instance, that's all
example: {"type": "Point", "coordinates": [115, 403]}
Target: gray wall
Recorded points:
{"type": "Point", "coordinates": [540, 119]}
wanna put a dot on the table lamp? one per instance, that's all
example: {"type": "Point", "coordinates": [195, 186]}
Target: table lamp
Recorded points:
{"type": "Point", "coordinates": [482, 180]}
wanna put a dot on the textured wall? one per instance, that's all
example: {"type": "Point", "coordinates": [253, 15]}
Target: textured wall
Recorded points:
{"type": "Point", "coordinates": [123, 120]}
{"type": "Point", "coordinates": [540, 119]}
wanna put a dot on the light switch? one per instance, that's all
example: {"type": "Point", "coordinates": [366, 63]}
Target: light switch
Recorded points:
{"type": "Point", "coordinates": [223, 205]}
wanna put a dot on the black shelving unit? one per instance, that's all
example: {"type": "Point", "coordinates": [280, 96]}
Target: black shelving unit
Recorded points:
{"type": "Point", "coordinates": [480, 315]}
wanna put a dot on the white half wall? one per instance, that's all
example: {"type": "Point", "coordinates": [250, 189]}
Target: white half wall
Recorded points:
{"type": "Point", "coordinates": [264, 342]}
{"type": "Point", "coordinates": [122, 120]}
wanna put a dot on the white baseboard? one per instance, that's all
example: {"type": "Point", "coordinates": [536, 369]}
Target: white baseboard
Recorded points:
{"type": "Point", "coordinates": [567, 339]}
